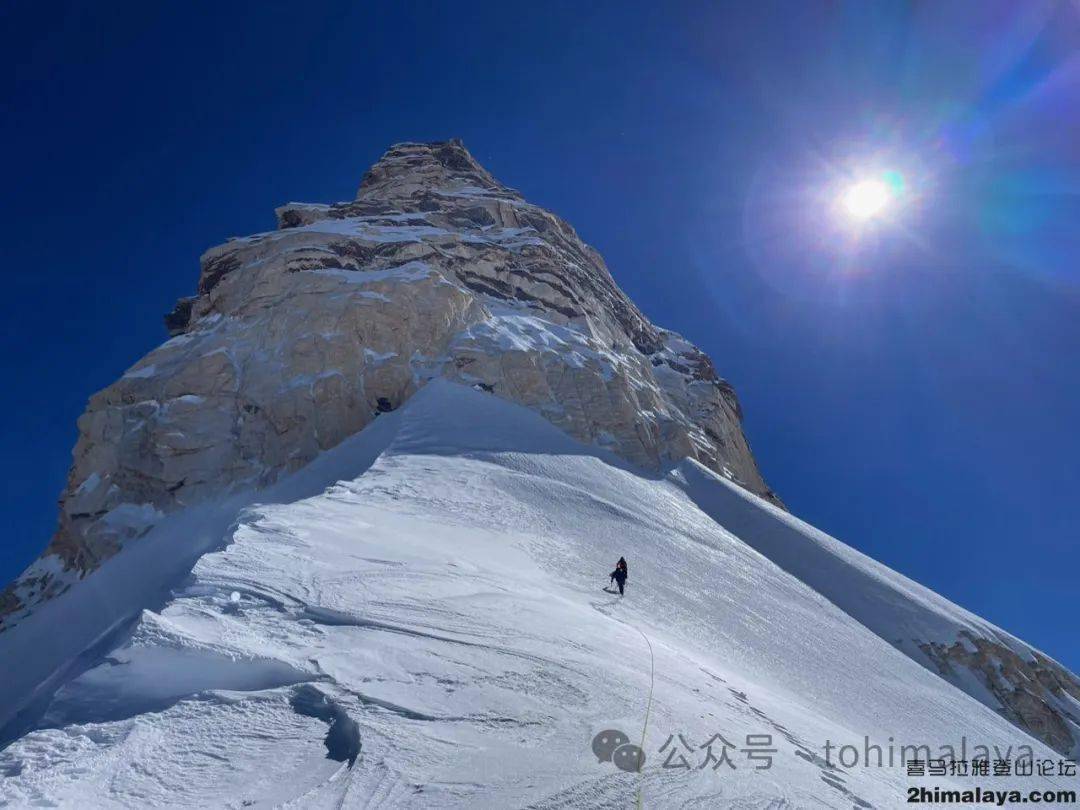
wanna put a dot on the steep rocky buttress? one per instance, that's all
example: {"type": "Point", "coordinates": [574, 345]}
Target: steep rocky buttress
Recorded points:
{"type": "Point", "coordinates": [299, 338]}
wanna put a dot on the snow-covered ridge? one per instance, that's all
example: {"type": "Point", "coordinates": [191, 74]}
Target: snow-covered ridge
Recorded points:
{"type": "Point", "coordinates": [415, 620]}
{"type": "Point", "coordinates": [299, 338]}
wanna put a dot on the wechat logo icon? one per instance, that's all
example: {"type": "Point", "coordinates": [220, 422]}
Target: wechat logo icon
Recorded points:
{"type": "Point", "coordinates": [614, 746]}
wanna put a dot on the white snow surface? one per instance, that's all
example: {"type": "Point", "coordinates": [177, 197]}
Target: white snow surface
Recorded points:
{"type": "Point", "coordinates": [420, 622]}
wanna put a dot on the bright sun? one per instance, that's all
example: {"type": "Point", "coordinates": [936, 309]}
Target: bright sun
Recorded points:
{"type": "Point", "coordinates": [866, 199]}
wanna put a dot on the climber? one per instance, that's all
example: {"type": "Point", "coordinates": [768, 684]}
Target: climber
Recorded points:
{"type": "Point", "coordinates": [619, 574]}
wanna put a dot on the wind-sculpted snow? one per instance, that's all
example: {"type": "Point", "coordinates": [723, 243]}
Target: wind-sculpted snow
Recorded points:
{"type": "Point", "coordinates": [299, 338]}
{"type": "Point", "coordinates": [430, 631]}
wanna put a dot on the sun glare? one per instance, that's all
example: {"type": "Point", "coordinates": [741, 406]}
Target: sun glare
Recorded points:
{"type": "Point", "coordinates": [866, 199]}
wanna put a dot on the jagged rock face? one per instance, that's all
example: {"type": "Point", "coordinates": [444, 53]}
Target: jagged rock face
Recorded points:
{"type": "Point", "coordinates": [1035, 693]}
{"type": "Point", "coordinates": [301, 337]}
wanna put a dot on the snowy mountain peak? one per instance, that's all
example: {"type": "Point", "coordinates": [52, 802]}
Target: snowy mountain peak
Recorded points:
{"type": "Point", "coordinates": [353, 516]}
{"type": "Point", "coordinates": [299, 338]}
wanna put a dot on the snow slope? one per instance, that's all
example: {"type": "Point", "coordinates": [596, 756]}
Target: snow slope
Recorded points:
{"type": "Point", "coordinates": [430, 631]}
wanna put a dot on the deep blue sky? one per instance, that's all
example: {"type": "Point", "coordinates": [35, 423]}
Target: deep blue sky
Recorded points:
{"type": "Point", "coordinates": [914, 393]}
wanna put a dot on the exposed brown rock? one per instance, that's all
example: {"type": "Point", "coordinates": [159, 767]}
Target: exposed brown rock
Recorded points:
{"type": "Point", "coordinates": [1032, 693]}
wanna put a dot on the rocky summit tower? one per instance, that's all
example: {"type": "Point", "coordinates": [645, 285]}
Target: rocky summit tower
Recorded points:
{"type": "Point", "coordinates": [301, 337]}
